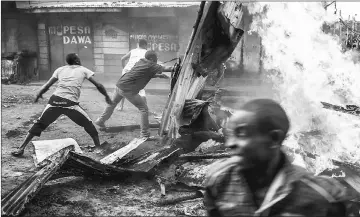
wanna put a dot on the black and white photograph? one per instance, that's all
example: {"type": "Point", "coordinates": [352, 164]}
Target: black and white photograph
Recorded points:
{"type": "Point", "coordinates": [180, 108]}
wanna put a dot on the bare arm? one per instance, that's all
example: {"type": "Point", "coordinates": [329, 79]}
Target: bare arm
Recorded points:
{"type": "Point", "coordinates": [101, 89]}
{"type": "Point", "coordinates": [163, 69]}
{"type": "Point", "coordinates": [124, 58]}
{"type": "Point", "coordinates": [46, 87]}
{"type": "Point", "coordinates": [167, 68]}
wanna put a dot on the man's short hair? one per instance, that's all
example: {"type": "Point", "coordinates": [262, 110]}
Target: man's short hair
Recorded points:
{"type": "Point", "coordinates": [150, 54]}
{"type": "Point", "coordinates": [143, 43]}
{"type": "Point", "coordinates": [72, 59]}
{"type": "Point", "coordinates": [269, 115]}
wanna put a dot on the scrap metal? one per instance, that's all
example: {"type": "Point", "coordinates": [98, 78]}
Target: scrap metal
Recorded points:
{"type": "Point", "coordinates": [14, 202]}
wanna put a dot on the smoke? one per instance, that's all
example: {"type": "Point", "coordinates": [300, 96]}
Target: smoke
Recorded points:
{"type": "Point", "coordinates": [306, 67]}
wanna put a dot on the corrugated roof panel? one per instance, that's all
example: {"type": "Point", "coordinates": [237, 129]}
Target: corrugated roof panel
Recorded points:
{"type": "Point", "coordinates": [91, 4]}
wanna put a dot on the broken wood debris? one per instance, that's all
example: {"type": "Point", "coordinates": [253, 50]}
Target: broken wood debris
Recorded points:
{"type": "Point", "coordinates": [117, 155]}
{"type": "Point", "coordinates": [213, 40]}
{"type": "Point", "coordinates": [126, 128]}
{"type": "Point", "coordinates": [14, 202]}
{"type": "Point", "coordinates": [348, 109]}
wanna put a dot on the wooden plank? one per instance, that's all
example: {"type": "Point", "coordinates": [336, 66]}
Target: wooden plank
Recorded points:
{"type": "Point", "coordinates": [117, 155]}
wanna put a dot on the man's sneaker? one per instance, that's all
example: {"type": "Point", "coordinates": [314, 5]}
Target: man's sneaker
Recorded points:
{"type": "Point", "coordinates": [100, 124]}
{"type": "Point", "coordinates": [17, 153]}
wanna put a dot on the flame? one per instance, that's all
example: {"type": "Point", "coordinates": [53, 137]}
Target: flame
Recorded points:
{"type": "Point", "coordinates": [306, 67]}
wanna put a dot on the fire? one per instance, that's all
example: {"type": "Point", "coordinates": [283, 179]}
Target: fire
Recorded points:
{"type": "Point", "coordinates": [307, 66]}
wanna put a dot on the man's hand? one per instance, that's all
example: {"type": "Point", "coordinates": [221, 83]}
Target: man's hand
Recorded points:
{"type": "Point", "coordinates": [108, 100]}
{"type": "Point", "coordinates": [161, 76]}
{"type": "Point", "coordinates": [45, 88]}
{"type": "Point", "coordinates": [101, 89]}
{"type": "Point", "coordinates": [38, 96]}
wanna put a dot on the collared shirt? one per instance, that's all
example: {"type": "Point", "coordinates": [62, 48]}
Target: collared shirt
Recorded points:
{"type": "Point", "coordinates": [71, 78]}
{"type": "Point", "coordinates": [139, 76]}
{"type": "Point", "coordinates": [293, 192]}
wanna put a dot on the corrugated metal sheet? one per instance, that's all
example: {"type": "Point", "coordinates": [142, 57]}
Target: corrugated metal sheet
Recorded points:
{"type": "Point", "coordinates": [91, 4]}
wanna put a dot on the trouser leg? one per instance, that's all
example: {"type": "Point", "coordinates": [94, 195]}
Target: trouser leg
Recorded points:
{"type": "Point", "coordinates": [81, 118]}
{"type": "Point", "coordinates": [108, 111]}
{"type": "Point", "coordinates": [139, 103]}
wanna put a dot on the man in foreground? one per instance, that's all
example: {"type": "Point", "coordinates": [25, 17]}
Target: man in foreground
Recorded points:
{"type": "Point", "coordinates": [129, 86]}
{"type": "Point", "coordinates": [133, 56]}
{"type": "Point", "coordinates": [259, 180]}
{"type": "Point", "coordinates": [64, 100]}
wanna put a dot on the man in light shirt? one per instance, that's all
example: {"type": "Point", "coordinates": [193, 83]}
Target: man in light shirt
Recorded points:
{"type": "Point", "coordinates": [65, 101]}
{"type": "Point", "coordinates": [133, 56]}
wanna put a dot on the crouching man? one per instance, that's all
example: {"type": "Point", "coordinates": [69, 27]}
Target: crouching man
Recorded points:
{"type": "Point", "coordinates": [65, 101]}
{"type": "Point", "coordinates": [129, 86]}
{"type": "Point", "coordinates": [259, 180]}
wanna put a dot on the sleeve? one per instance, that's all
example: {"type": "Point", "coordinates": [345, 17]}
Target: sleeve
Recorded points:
{"type": "Point", "coordinates": [88, 73]}
{"type": "Point", "coordinates": [210, 198]}
{"type": "Point", "coordinates": [56, 73]}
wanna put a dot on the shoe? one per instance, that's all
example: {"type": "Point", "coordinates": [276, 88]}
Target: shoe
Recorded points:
{"type": "Point", "coordinates": [100, 124]}
{"type": "Point", "coordinates": [148, 138]}
{"type": "Point", "coordinates": [17, 153]}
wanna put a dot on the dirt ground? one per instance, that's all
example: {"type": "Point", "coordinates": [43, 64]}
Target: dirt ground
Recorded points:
{"type": "Point", "coordinates": [80, 196]}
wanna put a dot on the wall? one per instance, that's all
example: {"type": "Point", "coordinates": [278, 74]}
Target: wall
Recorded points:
{"type": "Point", "coordinates": [186, 19]}
{"type": "Point", "coordinates": [111, 41]}
{"type": "Point", "coordinates": [18, 32]}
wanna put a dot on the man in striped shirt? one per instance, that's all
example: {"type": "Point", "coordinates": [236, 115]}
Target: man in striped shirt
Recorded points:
{"type": "Point", "coordinates": [259, 180]}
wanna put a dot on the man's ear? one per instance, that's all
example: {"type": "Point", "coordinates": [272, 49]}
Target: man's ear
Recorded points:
{"type": "Point", "coordinates": [277, 136]}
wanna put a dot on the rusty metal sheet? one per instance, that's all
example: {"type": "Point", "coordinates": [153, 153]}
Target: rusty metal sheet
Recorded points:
{"type": "Point", "coordinates": [150, 160]}
{"type": "Point", "coordinates": [80, 165]}
{"type": "Point", "coordinates": [14, 202]}
{"type": "Point", "coordinates": [91, 4]}
{"type": "Point", "coordinates": [45, 148]}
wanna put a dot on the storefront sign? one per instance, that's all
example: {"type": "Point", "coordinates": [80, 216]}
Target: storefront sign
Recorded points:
{"type": "Point", "coordinates": [159, 43]}
{"type": "Point", "coordinates": [72, 34]}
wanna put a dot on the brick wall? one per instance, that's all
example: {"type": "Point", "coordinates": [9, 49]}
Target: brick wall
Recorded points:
{"type": "Point", "coordinates": [111, 41]}
{"type": "Point", "coordinates": [43, 56]}
{"type": "Point", "coordinates": [18, 33]}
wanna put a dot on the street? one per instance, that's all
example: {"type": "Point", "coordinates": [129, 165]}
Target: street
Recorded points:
{"type": "Point", "coordinates": [77, 195]}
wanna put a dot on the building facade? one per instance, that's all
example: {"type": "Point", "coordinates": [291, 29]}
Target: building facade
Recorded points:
{"type": "Point", "coordinates": [100, 32]}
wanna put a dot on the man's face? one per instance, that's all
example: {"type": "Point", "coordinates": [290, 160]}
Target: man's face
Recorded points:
{"type": "Point", "coordinates": [77, 60]}
{"type": "Point", "coordinates": [251, 147]}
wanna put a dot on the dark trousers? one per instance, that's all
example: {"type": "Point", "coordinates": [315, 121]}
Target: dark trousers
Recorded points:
{"type": "Point", "coordinates": [75, 113]}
